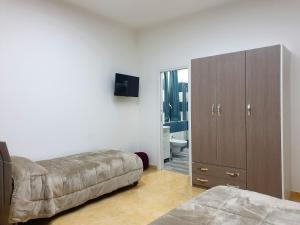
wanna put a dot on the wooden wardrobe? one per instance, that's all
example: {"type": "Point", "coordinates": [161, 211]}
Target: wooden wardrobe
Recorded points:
{"type": "Point", "coordinates": [240, 120]}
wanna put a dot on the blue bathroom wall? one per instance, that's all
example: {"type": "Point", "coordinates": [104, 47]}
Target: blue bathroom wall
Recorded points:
{"type": "Point", "coordinates": [176, 105]}
{"type": "Point", "coordinates": [166, 107]}
{"type": "Point", "coordinates": [175, 114]}
{"type": "Point", "coordinates": [177, 126]}
{"type": "Point", "coordinates": [183, 86]}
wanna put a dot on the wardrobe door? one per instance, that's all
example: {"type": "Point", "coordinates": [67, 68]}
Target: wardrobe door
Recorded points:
{"type": "Point", "coordinates": [263, 121]}
{"type": "Point", "coordinates": [203, 100]}
{"type": "Point", "coordinates": [231, 119]}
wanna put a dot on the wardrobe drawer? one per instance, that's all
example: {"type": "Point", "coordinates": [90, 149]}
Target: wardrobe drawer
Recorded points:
{"type": "Point", "coordinates": [219, 171]}
{"type": "Point", "coordinates": [210, 181]}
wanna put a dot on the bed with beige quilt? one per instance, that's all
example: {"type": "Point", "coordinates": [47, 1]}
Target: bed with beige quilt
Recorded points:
{"type": "Point", "coordinates": [223, 205]}
{"type": "Point", "coordinates": [41, 189]}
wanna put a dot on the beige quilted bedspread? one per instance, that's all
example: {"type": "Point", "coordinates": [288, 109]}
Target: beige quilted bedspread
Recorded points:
{"type": "Point", "coordinates": [231, 206]}
{"type": "Point", "coordinates": [45, 188]}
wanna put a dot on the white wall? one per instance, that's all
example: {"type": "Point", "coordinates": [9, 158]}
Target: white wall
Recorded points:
{"type": "Point", "coordinates": [234, 27]}
{"type": "Point", "coordinates": [57, 66]}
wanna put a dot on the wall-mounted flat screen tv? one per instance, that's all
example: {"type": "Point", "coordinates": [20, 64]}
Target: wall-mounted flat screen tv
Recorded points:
{"type": "Point", "coordinates": [126, 85]}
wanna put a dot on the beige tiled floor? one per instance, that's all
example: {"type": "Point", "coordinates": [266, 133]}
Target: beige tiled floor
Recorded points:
{"type": "Point", "coordinates": [157, 193]}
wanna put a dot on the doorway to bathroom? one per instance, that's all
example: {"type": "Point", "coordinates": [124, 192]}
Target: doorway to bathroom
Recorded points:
{"type": "Point", "coordinates": [175, 151]}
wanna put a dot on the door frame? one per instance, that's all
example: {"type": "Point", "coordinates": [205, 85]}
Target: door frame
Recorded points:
{"type": "Point", "coordinates": [160, 154]}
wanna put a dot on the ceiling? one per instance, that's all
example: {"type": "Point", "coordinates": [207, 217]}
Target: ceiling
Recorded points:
{"type": "Point", "coordinates": [141, 13]}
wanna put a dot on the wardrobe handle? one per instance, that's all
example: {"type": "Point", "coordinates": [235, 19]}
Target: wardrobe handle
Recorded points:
{"type": "Point", "coordinates": [249, 110]}
{"type": "Point", "coordinates": [213, 109]}
{"type": "Point", "coordinates": [219, 109]}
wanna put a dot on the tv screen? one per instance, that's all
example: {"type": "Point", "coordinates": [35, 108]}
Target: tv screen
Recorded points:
{"type": "Point", "coordinates": [126, 85]}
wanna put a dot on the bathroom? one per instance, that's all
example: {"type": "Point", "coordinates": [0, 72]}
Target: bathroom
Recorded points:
{"type": "Point", "coordinates": [174, 113]}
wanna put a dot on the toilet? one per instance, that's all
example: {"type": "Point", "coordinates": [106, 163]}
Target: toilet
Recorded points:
{"type": "Point", "coordinates": [177, 145]}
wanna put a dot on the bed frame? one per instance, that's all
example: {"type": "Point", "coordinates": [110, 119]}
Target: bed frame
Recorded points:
{"type": "Point", "coordinates": [6, 183]}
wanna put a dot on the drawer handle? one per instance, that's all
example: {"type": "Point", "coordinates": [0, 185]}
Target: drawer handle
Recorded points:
{"type": "Point", "coordinates": [202, 180]}
{"type": "Point", "coordinates": [232, 174]}
{"type": "Point", "coordinates": [203, 169]}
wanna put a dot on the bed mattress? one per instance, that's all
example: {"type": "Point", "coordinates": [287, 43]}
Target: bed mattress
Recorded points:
{"type": "Point", "coordinates": [45, 188]}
